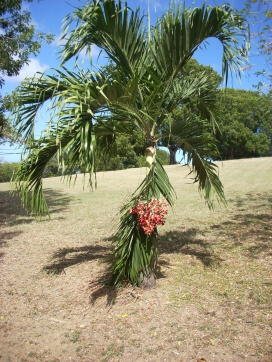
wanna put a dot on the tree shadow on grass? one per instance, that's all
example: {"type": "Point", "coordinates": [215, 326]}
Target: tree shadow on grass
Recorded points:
{"type": "Point", "coordinates": [185, 242]}
{"type": "Point", "coordinates": [189, 242]}
{"type": "Point", "coordinates": [250, 225]}
{"type": "Point", "coordinates": [67, 257]}
{"type": "Point", "coordinates": [57, 201]}
{"type": "Point", "coordinates": [100, 288]}
{"type": "Point", "coordinates": [12, 213]}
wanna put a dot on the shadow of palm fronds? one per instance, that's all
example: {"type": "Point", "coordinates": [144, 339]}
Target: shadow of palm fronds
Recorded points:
{"type": "Point", "coordinates": [12, 212]}
{"type": "Point", "coordinates": [189, 242]}
{"type": "Point", "coordinates": [66, 257]}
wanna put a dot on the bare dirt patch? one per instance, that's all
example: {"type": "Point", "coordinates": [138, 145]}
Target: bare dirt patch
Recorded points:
{"type": "Point", "coordinates": [213, 293]}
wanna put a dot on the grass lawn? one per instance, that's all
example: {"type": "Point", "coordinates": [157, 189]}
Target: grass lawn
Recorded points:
{"type": "Point", "coordinates": [213, 293]}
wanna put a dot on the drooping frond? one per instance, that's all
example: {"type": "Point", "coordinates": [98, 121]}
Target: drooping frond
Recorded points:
{"type": "Point", "coordinates": [156, 184]}
{"type": "Point", "coordinates": [27, 181]}
{"type": "Point", "coordinates": [182, 31]}
{"type": "Point", "coordinates": [198, 148]}
{"type": "Point", "coordinates": [76, 143]}
{"type": "Point", "coordinates": [75, 99]}
{"type": "Point", "coordinates": [62, 89]}
{"type": "Point", "coordinates": [111, 26]}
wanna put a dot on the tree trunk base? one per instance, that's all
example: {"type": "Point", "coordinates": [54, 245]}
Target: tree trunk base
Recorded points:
{"type": "Point", "coordinates": [147, 281]}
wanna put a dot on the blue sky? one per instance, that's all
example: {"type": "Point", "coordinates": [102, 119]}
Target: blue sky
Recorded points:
{"type": "Point", "coordinates": [47, 15]}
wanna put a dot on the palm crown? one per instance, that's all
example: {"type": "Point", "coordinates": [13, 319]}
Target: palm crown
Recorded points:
{"type": "Point", "coordinates": [140, 89]}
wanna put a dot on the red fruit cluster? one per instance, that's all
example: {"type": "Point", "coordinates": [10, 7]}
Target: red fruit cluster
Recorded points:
{"type": "Point", "coordinates": [150, 214]}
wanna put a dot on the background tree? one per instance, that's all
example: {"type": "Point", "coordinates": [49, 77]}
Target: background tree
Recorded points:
{"type": "Point", "coordinates": [245, 124]}
{"type": "Point", "coordinates": [5, 127]}
{"type": "Point", "coordinates": [18, 40]}
{"type": "Point", "coordinates": [128, 153]}
{"type": "Point", "coordinates": [142, 92]}
{"type": "Point", "coordinates": [52, 168]}
{"type": "Point", "coordinates": [7, 169]}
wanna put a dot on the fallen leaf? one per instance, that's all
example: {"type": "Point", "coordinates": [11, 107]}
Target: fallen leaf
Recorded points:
{"type": "Point", "coordinates": [124, 315]}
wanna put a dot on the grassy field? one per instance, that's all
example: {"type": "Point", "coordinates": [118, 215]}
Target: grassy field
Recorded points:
{"type": "Point", "coordinates": [213, 293]}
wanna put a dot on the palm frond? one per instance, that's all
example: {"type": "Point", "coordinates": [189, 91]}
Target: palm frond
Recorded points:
{"type": "Point", "coordinates": [182, 31]}
{"type": "Point", "coordinates": [110, 25]}
{"type": "Point", "coordinates": [198, 89]}
{"type": "Point", "coordinates": [27, 180]}
{"type": "Point", "coordinates": [156, 184]}
{"type": "Point", "coordinates": [200, 147]}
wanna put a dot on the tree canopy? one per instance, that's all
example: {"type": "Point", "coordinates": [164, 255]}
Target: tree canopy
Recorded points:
{"type": "Point", "coordinates": [18, 40]}
{"type": "Point", "coordinates": [245, 124]}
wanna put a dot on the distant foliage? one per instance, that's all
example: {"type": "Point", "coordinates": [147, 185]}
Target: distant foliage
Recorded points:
{"type": "Point", "coordinates": [245, 124]}
{"type": "Point", "coordinates": [127, 155]}
{"type": "Point", "coordinates": [18, 37]}
{"type": "Point", "coordinates": [6, 170]}
{"type": "Point", "coordinates": [52, 168]}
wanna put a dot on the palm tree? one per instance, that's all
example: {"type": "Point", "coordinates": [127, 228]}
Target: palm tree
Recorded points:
{"type": "Point", "coordinates": [140, 89]}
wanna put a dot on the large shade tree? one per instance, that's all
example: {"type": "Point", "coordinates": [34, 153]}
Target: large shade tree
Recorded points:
{"type": "Point", "coordinates": [142, 91]}
{"type": "Point", "coordinates": [245, 124]}
{"type": "Point", "coordinates": [18, 41]}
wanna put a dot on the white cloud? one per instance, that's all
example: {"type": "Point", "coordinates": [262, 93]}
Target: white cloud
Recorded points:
{"type": "Point", "coordinates": [28, 70]}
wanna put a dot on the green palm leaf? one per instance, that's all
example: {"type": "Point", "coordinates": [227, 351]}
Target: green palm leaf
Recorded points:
{"type": "Point", "coordinates": [111, 26]}
{"type": "Point", "coordinates": [181, 32]}
{"type": "Point", "coordinates": [199, 147]}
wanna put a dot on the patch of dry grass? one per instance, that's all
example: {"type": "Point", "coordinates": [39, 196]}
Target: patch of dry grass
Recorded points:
{"type": "Point", "coordinates": [213, 295]}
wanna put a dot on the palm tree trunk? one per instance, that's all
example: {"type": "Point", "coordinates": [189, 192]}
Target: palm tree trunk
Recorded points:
{"type": "Point", "coordinates": [149, 153]}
